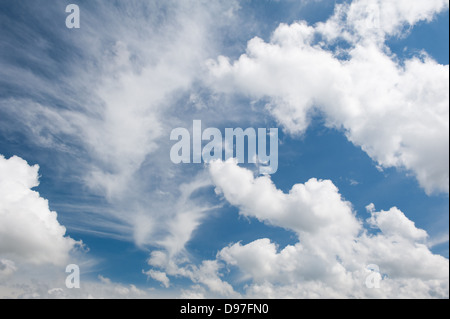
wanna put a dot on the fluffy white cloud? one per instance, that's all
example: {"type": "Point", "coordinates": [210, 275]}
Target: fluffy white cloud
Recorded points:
{"type": "Point", "coordinates": [374, 20]}
{"type": "Point", "coordinates": [334, 249]}
{"type": "Point", "coordinates": [306, 208]}
{"type": "Point", "coordinates": [29, 231]}
{"type": "Point", "coordinates": [397, 111]}
{"type": "Point", "coordinates": [395, 223]}
{"type": "Point", "coordinates": [159, 276]}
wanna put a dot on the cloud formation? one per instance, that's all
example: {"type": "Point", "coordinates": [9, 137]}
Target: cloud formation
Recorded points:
{"type": "Point", "coordinates": [374, 21]}
{"type": "Point", "coordinates": [29, 231]}
{"type": "Point", "coordinates": [110, 99]}
{"type": "Point", "coordinates": [397, 111]}
{"type": "Point", "coordinates": [51, 288]}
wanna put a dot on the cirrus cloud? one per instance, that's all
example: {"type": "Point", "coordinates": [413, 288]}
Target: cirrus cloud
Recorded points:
{"type": "Point", "coordinates": [334, 249]}
{"type": "Point", "coordinates": [396, 111]}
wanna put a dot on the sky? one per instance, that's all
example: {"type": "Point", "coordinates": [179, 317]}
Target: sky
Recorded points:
{"type": "Point", "coordinates": [359, 93]}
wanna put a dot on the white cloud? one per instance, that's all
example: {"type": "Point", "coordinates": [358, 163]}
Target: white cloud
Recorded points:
{"type": "Point", "coordinates": [206, 277]}
{"type": "Point", "coordinates": [29, 231]}
{"type": "Point", "coordinates": [112, 109]}
{"type": "Point", "coordinates": [115, 106]}
{"type": "Point", "coordinates": [195, 293]}
{"type": "Point", "coordinates": [124, 80]}
{"type": "Point", "coordinates": [374, 20]}
{"type": "Point", "coordinates": [334, 249]}
{"type": "Point", "coordinates": [395, 223]}
{"type": "Point", "coordinates": [305, 209]}
{"type": "Point", "coordinates": [397, 111]}
{"type": "Point", "coordinates": [159, 276]}
{"type": "Point", "coordinates": [185, 216]}
{"type": "Point", "coordinates": [438, 240]}
{"type": "Point", "coordinates": [50, 288]}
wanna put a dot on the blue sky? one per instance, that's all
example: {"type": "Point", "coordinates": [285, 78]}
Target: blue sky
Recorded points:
{"type": "Point", "coordinates": [362, 111]}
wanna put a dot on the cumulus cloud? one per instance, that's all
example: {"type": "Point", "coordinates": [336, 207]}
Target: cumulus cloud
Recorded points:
{"type": "Point", "coordinates": [368, 20]}
{"type": "Point", "coordinates": [397, 111]}
{"type": "Point", "coordinates": [29, 231]}
{"type": "Point", "coordinates": [334, 249]}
